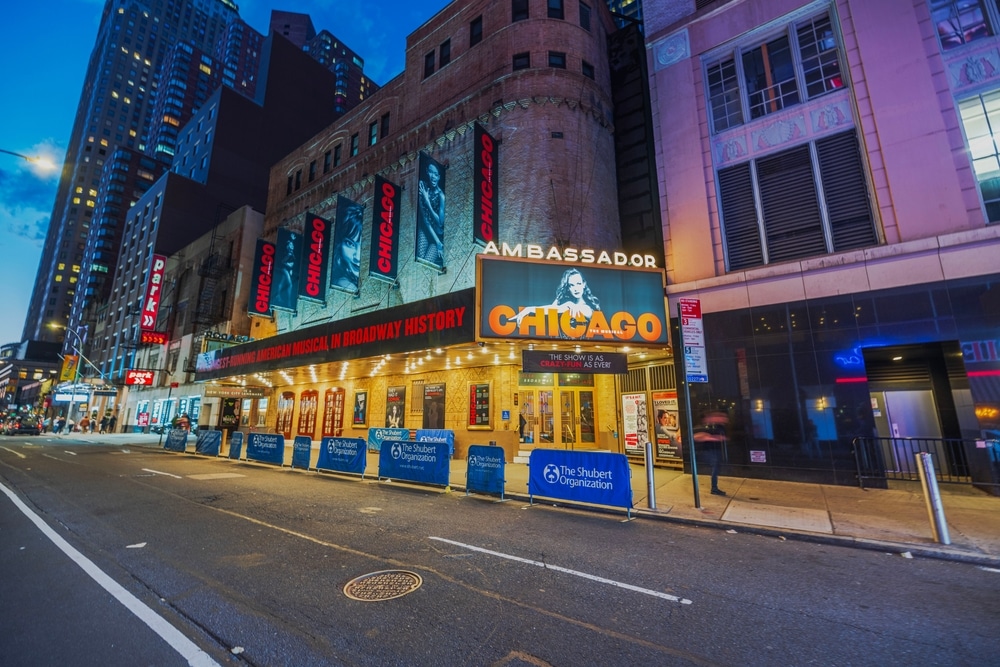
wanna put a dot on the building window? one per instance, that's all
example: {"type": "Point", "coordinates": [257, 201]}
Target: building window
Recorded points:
{"type": "Point", "coordinates": [518, 10]}
{"type": "Point", "coordinates": [428, 64]}
{"type": "Point", "coordinates": [298, 179]}
{"type": "Point", "coordinates": [354, 145]}
{"type": "Point", "coordinates": [585, 16]}
{"type": "Point", "coordinates": [385, 125]}
{"type": "Point", "coordinates": [522, 61]}
{"type": "Point", "coordinates": [793, 221]}
{"type": "Point", "coordinates": [764, 77]}
{"type": "Point", "coordinates": [555, 9]}
{"type": "Point", "coordinates": [981, 122]}
{"type": "Point", "coordinates": [288, 189]}
{"type": "Point", "coordinates": [959, 22]}
{"type": "Point", "coordinates": [373, 133]}
{"type": "Point", "coordinates": [312, 171]}
{"type": "Point", "coordinates": [476, 31]}
{"type": "Point", "coordinates": [588, 69]}
{"type": "Point", "coordinates": [336, 155]}
{"type": "Point", "coordinates": [326, 162]}
{"type": "Point", "coordinates": [444, 53]}
{"type": "Point", "coordinates": [557, 59]}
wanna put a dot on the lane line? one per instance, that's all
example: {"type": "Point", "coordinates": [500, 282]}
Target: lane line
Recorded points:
{"type": "Point", "coordinates": [157, 472]}
{"type": "Point", "coordinates": [576, 573]}
{"type": "Point", "coordinates": [184, 646]}
{"type": "Point", "coordinates": [68, 452]}
{"type": "Point", "coordinates": [13, 452]}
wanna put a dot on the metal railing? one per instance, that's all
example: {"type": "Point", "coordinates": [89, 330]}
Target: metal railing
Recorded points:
{"type": "Point", "coordinates": [884, 459]}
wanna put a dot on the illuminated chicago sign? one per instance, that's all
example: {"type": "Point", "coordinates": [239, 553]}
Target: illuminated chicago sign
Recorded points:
{"type": "Point", "coordinates": [577, 255]}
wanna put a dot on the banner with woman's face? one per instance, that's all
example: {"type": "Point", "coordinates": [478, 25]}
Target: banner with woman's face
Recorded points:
{"type": "Point", "coordinates": [429, 247]}
{"type": "Point", "coordinates": [345, 268]}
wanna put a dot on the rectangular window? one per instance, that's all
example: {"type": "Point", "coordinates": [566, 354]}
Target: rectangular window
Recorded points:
{"type": "Point", "coordinates": [522, 61]}
{"type": "Point", "coordinates": [813, 200]}
{"type": "Point", "coordinates": [588, 70]}
{"type": "Point", "coordinates": [959, 22]}
{"type": "Point", "coordinates": [585, 16]}
{"type": "Point", "coordinates": [288, 189]}
{"type": "Point", "coordinates": [428, 64]}
{"type": "Point", "coordinates": [385, 125]}
{"type": "Point", "coordinates": [518, 10]}
{"type": "Point", "coordinates": [444, 53]}
{"type": "Point", "coordinates": [373, 133]}
{"type": "Point", "coordinates": [312, 171]}
{"type": "Point", "coordinates": [981, 122]}
{"type": "Point", "coordinates": [298, 179]}
{"type": "Point", "coordinates": [336, 155]}
{"type": "Point", "coordinates": [763, 78]}
{"type": "Point", "coordinates": [555, 9]}
{"type": "Point", "coordinates": [326, 162]}
{"type": "Point", "coordinates": [354, 145]}
{"type": "Point", "coordinates": [557, 59]}
{"type": "Point", "coordinates": [476, 31]}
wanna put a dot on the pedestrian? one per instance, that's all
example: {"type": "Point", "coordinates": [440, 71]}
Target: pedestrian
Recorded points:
{"type": "Point", "coordinates": [93, 423]}
{"type": "Point", "coordinates": [111, 423]}
{"type": "Point", "coordinates": [104, 423]}
{"type": "Point", "coordinates": [84, 424]}
{"type": "Point", "coordinates": [709, 438]}
{"type": "Point", "coordinates": [60, 423]}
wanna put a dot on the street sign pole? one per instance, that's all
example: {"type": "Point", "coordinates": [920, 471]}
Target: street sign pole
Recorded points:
{"type": "Point", "coordinates": [688, 421]}
{"type": "Point", "coordinates": [694, 368]}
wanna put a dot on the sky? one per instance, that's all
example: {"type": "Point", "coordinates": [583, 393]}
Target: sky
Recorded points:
{"type": "Point", "coordinates": [43, 59]}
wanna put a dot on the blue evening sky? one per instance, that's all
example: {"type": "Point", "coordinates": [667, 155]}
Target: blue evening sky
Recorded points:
{"type": "Point", "coordinates": [43, 59]}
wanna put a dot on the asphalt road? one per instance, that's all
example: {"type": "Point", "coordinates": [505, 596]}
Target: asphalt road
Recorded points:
{"type": "Point", "coordinates": [255, 559]}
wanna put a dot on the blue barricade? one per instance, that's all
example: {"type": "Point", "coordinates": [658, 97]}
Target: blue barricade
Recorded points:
{"type": "Point", "coordinates": [176, 440]}
{"type": "Point", "coordinates": [236, 445]}
{"type": "Point", "coordinates": [208, 443]}
{"type": "Point", "coordinates": [376, 436]}
{"type": "Point", "coordinates": [427, 462]}
{"type": "Point", "coordinates": [485, 472]}
{"type": "Point", "coordinates": [266, 447]}
{"type": "Point", "coordinates": [437, 435]}
{"type": "Point", "coordinates": [301, 449]}
{"type": "Point", "coordinates": [342, 455]}
{"type": "Point", "coordinates": [589, 477]}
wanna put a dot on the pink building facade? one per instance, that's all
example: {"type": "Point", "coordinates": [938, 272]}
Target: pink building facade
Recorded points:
{"type": "Point", "coordinates": [829, 181]}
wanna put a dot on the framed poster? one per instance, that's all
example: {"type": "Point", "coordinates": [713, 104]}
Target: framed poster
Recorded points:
{"type": "Point", "coordinates": [395, 407]}
{"type": "Point", "coordinates": [666, 424]}
{"type": "Point", "coordinates": [635, 423]}
{"type": "Point", "coordinates": [480, 412]}
{"type": "Point", "coordinates": [433, 406]}
{"type": "Point", "coordinates": [360, 419]}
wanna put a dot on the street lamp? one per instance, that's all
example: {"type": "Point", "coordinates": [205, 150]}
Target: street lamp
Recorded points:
{"type": "Point", "coordinates": [76, 370]}
{"type": "Point", "coordinates": [41, 162]}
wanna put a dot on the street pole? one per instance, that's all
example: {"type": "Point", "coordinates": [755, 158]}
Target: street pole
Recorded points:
{"type": "Point", "coordinates": [72, 391]}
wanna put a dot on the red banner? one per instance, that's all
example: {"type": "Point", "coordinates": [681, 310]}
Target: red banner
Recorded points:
{"type": "Point", "coordinates": [260, 285]}
{"type": "Point", "coordinates": [385, 231]}
{"type": "Point", "coordinates": [485, 223]}
{"type": "Point", "coordinates": [154, 290]}
{"type": "Point", "coordinates": [139, 377]}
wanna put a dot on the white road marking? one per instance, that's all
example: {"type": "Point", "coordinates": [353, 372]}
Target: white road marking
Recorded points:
{"type": "Point", "coordinates": [988, 569]}
{"type": "Point", "coordinates": [157, 472]}
{"type": "Point", "coordinates": [13, 452]}
{"type": "Point", "coordinates": [184, 646]}
{"type": "Point", "coordinates": [69, 452]}
{"type": "Point", "coordinates": [549, 566]}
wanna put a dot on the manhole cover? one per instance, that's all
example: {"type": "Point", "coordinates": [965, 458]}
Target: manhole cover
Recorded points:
{"type": "Point", "coordinates": [384, 585]}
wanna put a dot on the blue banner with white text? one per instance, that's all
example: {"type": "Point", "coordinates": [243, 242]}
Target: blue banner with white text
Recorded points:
{"type": "Point", "coordinates": [376, 436]}
{"type": "Point", "coordinates": [236, 445]}
{"type": "Point", "coordinates": [427, 462]}
{"type": "Point", "coordinates": [266, 447]}
{"type": "Point", "coordinates": [485, 472]}
{"type": "Point", "coordinates": [444, 435]}
{"type": "Point", "coordinates": [589, 477]}
{"type": "Point", "coordinates": [342, 455]}
{"type": "Point", "coordinates": [208, 443]}
{"type": "Point", "coordinates": [176, 440]}
{"type": "Point", "coordinates": [301, 448]}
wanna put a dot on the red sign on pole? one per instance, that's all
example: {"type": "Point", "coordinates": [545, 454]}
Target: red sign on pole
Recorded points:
{"type": "Point", "coordinates": [138, 377]}
{"type": "Point", "coordinates": [151, 304]}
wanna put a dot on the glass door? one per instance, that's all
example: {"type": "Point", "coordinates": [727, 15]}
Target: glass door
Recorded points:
{"type": "Point", "coordinates": [568, 418]}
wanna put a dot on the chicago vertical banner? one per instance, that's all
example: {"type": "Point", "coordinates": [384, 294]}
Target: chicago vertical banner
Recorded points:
{"type": "Point", "coordinates": [484, 183]}
{"type": "Point", "coordinates": [384, 257]}
{"type": "Point", "coordinates": [312, 281]}
{"type": "Point", "coordinates": [260, 285]}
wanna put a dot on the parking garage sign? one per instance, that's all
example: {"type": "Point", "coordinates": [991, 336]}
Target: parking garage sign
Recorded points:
{"type": "Point", "coordinates": [693, 340]}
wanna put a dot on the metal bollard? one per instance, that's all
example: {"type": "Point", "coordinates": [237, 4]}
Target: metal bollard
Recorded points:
{"type": "Point", "coordinates": [650, 481]}
{"type": "Point", "coordinates": [935, 510]}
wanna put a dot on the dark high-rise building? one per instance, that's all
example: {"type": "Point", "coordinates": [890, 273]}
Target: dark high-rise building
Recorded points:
{"type": "Point", "coordinates": [115, 109]}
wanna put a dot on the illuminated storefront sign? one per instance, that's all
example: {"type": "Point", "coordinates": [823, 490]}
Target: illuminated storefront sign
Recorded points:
{"type": "Point", "coordinates": [151, 304]}
{"type": "Point", "coordinates": [260, 285]}
{"type": "Point", "coordinates": [546, 301]}
{"type": "Point", "coordinates": [440, 321]}
{"type": "Point", "coordinates": [139, 377]}
{"type": "Point", "coordinates": [153, 338]}
{"type": "Point", "coordinates": [574, 255]}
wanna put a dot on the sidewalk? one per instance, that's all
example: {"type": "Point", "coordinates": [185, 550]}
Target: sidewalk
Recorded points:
{"type": "Point", "coordinates": [892, 520]}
